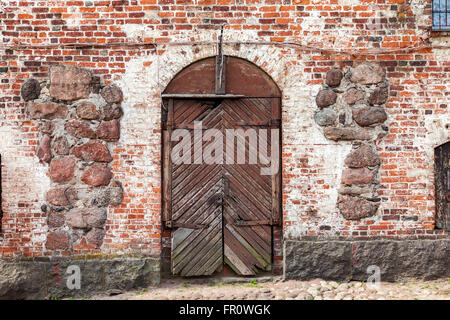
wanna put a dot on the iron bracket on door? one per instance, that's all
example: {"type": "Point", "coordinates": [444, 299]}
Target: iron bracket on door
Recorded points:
{"type": "Point", "coordinates": [275, 123]}
{"type": "Point", "coordinates": [189, 225]}
{"type": "Point", "coordinates": [252, 223]}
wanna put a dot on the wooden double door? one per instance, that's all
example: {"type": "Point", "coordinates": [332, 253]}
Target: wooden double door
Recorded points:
{"type": "Point", "coordinates": [221, 210]}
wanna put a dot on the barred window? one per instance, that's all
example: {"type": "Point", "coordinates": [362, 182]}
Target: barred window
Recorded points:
{"type": "Point", "coordinates": [441, 15]}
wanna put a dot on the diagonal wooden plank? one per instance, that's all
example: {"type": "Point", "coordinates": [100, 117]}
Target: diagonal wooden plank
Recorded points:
{"type": "Point", "coordinates": [186, 244]}
{"type": "Point", "coordinates": [253, 112]}
{"type": "Point", "coordinates": [185, 261]}
{"type": "Point", "coordinates": [210, 250]}
{"type": "Point", "coordinates": [240, 252]}
{"type": "Point", "coordinates": [190, 252]}
{"type": "Point", "coordinates": [248, 189]}
{"type": "Point", "coordinates": [178, 169]}
{"type": "Point", "coordinates": [243, 208]}
{"type": "Point", "coordinates": [193, 195]}
{"type": "Point", "coordinates": [201, 196]}
{"type": "Point", "coordinates": [190, 113]}
{"type": "Point", "coordinates": [182, 106]}
{"type": "Point", "coordinates": [195, 213]}
{"type": "Point", "coordinates": [259, 183]}
{"type": "Point", "coordinates": [245, 249]}
{"type": "Point", "coordinates": [239, 266]}
{"type": "Point", "coordinates": [262, 247]}
{"type": "Point", "coordinates": [234, 210]}
{"type": "Point", "coordinates": [191, 180]}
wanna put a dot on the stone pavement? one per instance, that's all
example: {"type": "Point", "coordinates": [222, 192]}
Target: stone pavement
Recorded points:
{"type": "Point", "coordinates": [274, 288]}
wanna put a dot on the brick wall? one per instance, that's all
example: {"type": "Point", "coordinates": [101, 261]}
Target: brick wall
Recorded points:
{"type": "Point", "coordinates": [281, 37]}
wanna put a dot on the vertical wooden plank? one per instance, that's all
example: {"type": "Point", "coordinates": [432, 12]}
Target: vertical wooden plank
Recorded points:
{"type": "Point", "coordinates": [438, 186]}
{"type": "Point", "coordinates": [446, 183]}
{"type": "Point", "coordinates": [1, 203]}
{"type": "Point", "coordinates": [167, 165]}
{"type": "Point", "coordinates": [442, 185]}
{"type": "Point", "coordinates": [276, 114]}
{"type": "Point", "coordinates": [276, 203]}
{"type": "Point", "coordinates": [276, 178]}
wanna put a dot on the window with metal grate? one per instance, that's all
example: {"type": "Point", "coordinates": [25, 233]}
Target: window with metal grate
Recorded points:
{"type": "Point", "coordinates": [441, 15]}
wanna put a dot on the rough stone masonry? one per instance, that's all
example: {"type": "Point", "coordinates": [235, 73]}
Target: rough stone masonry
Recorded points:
{"type": "Point", "coordinates": [365, 88]}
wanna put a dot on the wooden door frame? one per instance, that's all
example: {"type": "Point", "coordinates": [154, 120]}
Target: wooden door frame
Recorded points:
{"type": "Point", "coordinates": [442, 181]}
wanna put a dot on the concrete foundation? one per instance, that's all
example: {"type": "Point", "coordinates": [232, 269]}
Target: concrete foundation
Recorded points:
{"type": "Point", "coordinates": [349, 260]}
{"type": "Point", "coordinates": [49, 279]}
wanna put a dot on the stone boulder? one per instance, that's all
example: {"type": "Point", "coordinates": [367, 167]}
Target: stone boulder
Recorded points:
{"type": "Point", "coordinates": [337, 134]}
{"type": "Point", "coordinates": [109, 130]}
{"type": "Point", "coordinates": [69, 83]}
{"type": "Point", "coordinates": [97, 175]}
{"type": "Point", "coordinates": [352, 95]}
{"type": "Point", "coordinates": [325, 117]}
{"type": "Point", "coordinates": [47, 127]}
{"type": "Point", "coordinates": [115, 193]}
{"type": "Point", "coordinates": [364, 156]}
{"type": "Point", "coordinates": [355, 208]}
{"type": "Point", "coordinates": [47, 111]}
{"type": "Point", "coordinates": [334, 77]}
{"type": "Point", "coordinates": [367, 73]}
{"type": "Point", "coordinates": [55, 219]}
{"type": "Point", "coordinates": [61, 146]}
{"type": "Point", "coordinates": [112, 94]}
{"type": "Point", "coordinates": [325, 98]}
{"type": "Point", "coordinates": [111, 112]}
{"type": "Point", "coordinates": [88, 111]}
{"type": "Point", "coordinates": [112, 195]}
{"type": "Point", "coordinates": [79, 129]}
{"type": "Point", "coordinates": [379, 96]}
{"type": "Point", "coordinates": [369, 115]}
{"type": "Point", "coordinates": [357, 176]}
{"type": "Point", "coordinates": [43, 151]}
{"type": "Point", "coordinates": [58, 240]}
{"type": "Point", "coordinates": [62, 170]}
{"type": "Point", "coordinates": [30, 90]}
{"type": "Point", "coordinates": [84, 218]}
{"type": "Point", "coordinates": [95, 236]}
{"type": "Point", "coordinates": [62, 196]}
{"type": "Point", "coordinates": [356, 190]}
{"type": "Point", "coordinates": [93, 151]}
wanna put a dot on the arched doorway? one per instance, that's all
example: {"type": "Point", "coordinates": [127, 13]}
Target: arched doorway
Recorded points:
{"type": "Point", "coordinates": [221, 168]}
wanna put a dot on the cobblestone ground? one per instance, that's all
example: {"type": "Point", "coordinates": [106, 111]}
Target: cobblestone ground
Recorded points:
{"type": "Point", "coordinates": [288, 290]}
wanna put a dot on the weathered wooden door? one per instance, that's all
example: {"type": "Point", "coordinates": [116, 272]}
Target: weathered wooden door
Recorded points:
{"type": "Point", "coordinates": [442, 177]}
{"type": "Point", "coordinates": [222, 213]}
